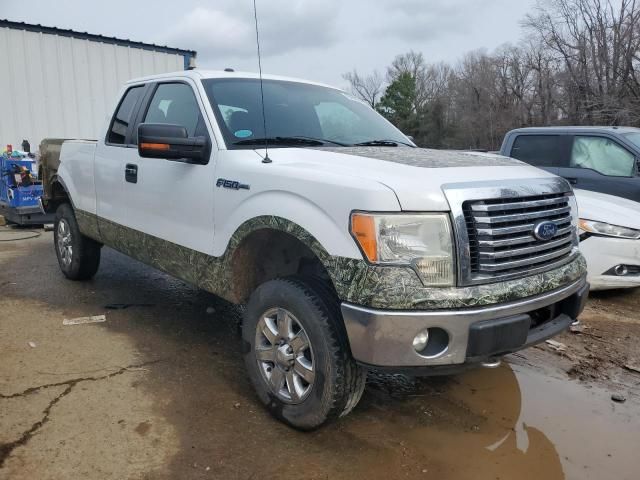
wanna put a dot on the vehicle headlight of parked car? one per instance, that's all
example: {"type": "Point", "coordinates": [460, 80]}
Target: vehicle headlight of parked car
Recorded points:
{"type": "Point", "coordinates": [609, 230]}
{"type": "Point", "coordinates": [422, 241]}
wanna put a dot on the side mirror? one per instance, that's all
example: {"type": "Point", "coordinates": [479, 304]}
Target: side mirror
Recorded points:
{"type": "Point", "coordinates": [172, 142]}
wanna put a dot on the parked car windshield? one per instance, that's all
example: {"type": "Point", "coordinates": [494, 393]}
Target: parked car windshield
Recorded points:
{"type": "Point", "coordinates": [297, 114]}
{"type": "Point", "coordinates": [633, 137]}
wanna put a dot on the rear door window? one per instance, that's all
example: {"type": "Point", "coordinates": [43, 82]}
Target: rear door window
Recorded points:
{"type": "Point", "coordinates": [602, 155]}
{"type": "Point", "coordinates": [539, 150]}
{"type": "Point", "coordinates": [124, 115]}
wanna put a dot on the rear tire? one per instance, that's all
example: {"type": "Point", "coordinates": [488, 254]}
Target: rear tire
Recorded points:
{"type": "Point", "coordinates": [78, 255]}
{"type": "Point", "coordinates": [296, 357]}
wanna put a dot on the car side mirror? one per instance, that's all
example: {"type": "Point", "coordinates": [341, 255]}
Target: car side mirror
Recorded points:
{"type": "Point", "coordinates": [171, 142]}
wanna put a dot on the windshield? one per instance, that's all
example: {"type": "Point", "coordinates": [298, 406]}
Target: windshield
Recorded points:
{"type": "Point", "coordinates": [294, 111]}
{"type": "Point", "coordinates": [633, 137]}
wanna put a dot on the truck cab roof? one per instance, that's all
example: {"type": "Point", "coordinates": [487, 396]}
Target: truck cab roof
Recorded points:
{"type": "Point", "coordinates": [575, 129]}
{"type": "Point", "coordinates": [206, 74]}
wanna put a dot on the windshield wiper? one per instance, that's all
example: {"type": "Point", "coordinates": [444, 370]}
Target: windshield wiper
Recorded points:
{"type": "Point", "coordinates": [381, 143]}
{"type": "Point", "coordinates": [323, 140]}
{"type": "Point", "coordinates": [308, 141]}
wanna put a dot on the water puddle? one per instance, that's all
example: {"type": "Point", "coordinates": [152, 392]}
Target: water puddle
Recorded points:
{"type": "Point", "coordinates": [511, 422]}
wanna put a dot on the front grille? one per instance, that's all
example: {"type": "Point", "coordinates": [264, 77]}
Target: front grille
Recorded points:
{"type": "Point", "coordinates": [501, 236]}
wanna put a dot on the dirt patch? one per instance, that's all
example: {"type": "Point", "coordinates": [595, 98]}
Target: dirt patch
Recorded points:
{"type": "Point", "coordinates": [193, 414]}
{"type": "Point", "coordinates": [604, 348]}
{"type": "Point", "coordinates": [143, 428]}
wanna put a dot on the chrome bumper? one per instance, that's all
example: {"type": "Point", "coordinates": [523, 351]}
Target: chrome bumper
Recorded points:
{"type": "Point", "coordinates": [384, 337]}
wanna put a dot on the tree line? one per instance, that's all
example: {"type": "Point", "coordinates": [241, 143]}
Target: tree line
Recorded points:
{"type": "Point", "coordinates": [577, 64]}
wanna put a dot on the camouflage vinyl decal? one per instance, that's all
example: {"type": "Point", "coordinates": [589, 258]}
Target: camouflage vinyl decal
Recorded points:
{"type": "Point", "coordinates": [88, 224]}
{"type": "Point", "coordinates": [168, 257]}
{"type": "Point", "coordinates": [400, 288]}
{"type": "Point", "coordinates": [428, 158]}
{"type": "Point", "coordinates": [355, 280]}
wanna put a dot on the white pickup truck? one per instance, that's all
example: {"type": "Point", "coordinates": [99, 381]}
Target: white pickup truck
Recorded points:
{"type": "Point", "coordinates": [351, 248]}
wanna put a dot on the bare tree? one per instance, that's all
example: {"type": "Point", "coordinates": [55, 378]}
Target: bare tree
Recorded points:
{"type": "Point", "coordinates": [579, 63]}
{"type": "Point", "coordinates": [411, 63]}
{"type": "Point", "coordinates": [598, 42]}
{"type": "Point", "coordinates": [368, 88]}
{"type": "Point", "coordinates": [546, 104]}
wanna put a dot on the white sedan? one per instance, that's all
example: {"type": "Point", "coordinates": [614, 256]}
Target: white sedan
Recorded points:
{"type": "Point", "coordinates": [609, 239]}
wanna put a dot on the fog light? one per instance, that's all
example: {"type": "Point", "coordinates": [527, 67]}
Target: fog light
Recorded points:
{"type": "Point", "coordinates": [621, 270]}
{"type": "Point", "coordinates": [420, 341]}
{"type": "Point", "coordinates": [431, 342]}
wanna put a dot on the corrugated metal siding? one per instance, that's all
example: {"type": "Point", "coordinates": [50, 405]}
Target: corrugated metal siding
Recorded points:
{"type": "Point", "coordinates": [59, 86]}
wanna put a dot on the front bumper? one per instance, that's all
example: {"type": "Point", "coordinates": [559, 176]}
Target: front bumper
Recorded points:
{"type": "Point", "coordinates": [383, 338]}
{"type": "Point", "coordinates": [603, 254]}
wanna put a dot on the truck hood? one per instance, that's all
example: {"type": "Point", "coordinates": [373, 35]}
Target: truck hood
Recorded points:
{"type": "Point", "coordinates": [416, 175]}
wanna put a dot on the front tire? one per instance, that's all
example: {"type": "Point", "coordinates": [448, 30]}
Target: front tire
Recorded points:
{"type": "Point", "coordinates": [297, 360]}
{"type": "Point", "coordinates": [78, 255]}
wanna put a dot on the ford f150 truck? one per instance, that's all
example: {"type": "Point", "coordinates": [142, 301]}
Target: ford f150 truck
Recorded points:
{"type": "Point", "coordinates": [350, 247]}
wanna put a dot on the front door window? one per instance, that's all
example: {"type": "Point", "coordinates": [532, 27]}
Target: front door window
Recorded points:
{"type": "Point", "coordinates": [602, 155]}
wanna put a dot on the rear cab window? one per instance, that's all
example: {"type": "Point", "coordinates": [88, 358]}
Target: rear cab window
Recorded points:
{"type": "Point", "coordinates": [123, 117]}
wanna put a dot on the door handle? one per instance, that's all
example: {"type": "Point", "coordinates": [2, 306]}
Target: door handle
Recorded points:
{"type": "Point", "coordinates": [571, 180]}
{"type": "Point", "coordinates": [131, 173]}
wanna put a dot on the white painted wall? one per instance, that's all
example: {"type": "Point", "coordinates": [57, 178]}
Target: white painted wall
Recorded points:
{"type": "Point", "coordinates": [59, 86]}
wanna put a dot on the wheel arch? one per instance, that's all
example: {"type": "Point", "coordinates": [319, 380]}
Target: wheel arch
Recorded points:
{"type": "Point", "coordinates": [268, 247]}
{"type": "Point", "coordinates": [57, 194]}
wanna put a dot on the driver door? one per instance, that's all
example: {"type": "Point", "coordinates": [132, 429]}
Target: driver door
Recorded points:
{"type": "Point", "coordinates": [173, 199]}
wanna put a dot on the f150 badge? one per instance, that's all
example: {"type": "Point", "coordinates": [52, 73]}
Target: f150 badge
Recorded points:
{"type": "Point", "coordinates": [232, 184]}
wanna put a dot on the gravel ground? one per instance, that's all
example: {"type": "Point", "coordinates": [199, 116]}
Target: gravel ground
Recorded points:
{"type": "Point", "coordinates": [158, 390]}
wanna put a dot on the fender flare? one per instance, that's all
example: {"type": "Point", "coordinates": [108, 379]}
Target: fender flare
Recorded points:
{"type": "Point", "coordinates": [272, 222]}
{"type": "Point", "coordinates": [343, 272]}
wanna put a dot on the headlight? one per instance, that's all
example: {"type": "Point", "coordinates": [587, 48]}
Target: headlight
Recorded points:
{"type": "Point", "coordinates": [574, 211]}
{"type": "Point", "coordinates": [422, 241]}
{"type": "Point", "coordinates": [601, 228]}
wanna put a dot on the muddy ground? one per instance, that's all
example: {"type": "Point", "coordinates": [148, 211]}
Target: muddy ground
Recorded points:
{"type": "Point", "coordinates": [158, 391]}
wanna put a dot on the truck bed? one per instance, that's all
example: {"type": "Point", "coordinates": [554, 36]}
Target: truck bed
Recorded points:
{"type": "Point", "coordinates": [50, 149]}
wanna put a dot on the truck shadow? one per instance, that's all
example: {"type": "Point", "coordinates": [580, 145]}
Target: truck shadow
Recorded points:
{"type": "Point", "coordinates": [466, 426]}
{"type": "Point", "coordinates": [624, 295]}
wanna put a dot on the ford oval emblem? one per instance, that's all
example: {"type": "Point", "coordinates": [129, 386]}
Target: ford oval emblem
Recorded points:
{"type": "Point", "coordinates": [545, 231]}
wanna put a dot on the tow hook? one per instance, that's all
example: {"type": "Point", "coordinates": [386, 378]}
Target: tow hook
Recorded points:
{"type": "Point", "coordinates": [491, 363]}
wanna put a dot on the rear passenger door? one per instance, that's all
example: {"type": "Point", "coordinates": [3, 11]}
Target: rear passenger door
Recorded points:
{"type": "Point", "coordinates": [600, 164]}
{"type": "Point", "coordinates": [542, 151]}
{"type": "Point", "coordinates": [112, 154]}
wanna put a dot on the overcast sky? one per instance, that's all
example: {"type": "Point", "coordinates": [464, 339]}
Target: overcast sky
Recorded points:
{"type": "Point", "coordinates": [314, 39]}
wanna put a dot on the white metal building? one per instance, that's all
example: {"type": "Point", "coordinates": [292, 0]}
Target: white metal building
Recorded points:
{"type": "Point", "coordinates": [62, 83]}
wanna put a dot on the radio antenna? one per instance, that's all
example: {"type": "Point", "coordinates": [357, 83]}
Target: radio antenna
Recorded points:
{"type": "Point", "coordinates": [266, 158]}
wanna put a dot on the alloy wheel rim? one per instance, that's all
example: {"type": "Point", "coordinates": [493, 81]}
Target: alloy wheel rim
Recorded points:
{"type": "Point", "coordinates": [284, 355]}
{"type": "Point", "coordinates": [65, 249]}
